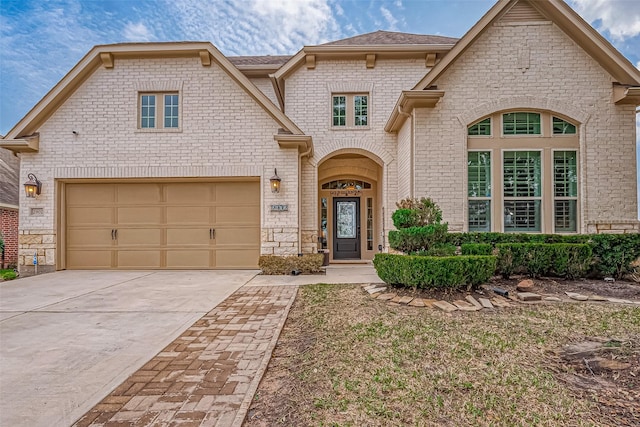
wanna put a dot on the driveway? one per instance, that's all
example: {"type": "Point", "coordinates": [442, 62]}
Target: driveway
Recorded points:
{"type": "Point", "coordinates": [69, 338]}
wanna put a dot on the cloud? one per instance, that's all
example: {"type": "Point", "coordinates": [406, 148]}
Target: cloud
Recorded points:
{"type": "Point", "coordinates": [138, 32]}
{"type": "Point", "coordinates": [388, 16]}
{"type": "Point", "coordinates": [257, 26]}
{"type": "Point", "coordinates": [620, 18]}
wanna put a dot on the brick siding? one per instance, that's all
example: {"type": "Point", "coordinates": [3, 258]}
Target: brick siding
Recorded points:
{"type": "Point", "coordinates": [9, 230]}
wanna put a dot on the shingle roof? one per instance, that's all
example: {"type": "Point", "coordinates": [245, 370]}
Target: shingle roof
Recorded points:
{"type": "Point", "coordinates": [389, 37]}
{"type": "Point", "coordinates": [9, 186]}
{"type": "Point", "coordinates": [277, 60]}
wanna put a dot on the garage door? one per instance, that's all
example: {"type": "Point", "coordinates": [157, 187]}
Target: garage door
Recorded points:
{"type": "Point", "coordinates": [181, 225]}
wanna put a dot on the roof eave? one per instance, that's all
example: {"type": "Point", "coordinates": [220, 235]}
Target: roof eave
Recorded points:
{"type": "Point", "coordinates": [304, 143]}
{"type": "Point", "coordinates": [407, 102]}
{"type": "Point", "coordinates": [623, 95]}
{"type": "Point", "coordinates": [29, 144]}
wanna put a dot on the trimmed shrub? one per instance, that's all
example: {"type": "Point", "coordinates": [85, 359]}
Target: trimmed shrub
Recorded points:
{"type": "Point", "coordinates": [614, 253]}
{"type": "Point", "coordinates": [441, 249]}
{"type": "Point", "coordinates": [476, 249]}
{"type": "Point", "coordinates": [542, 259]}
{"type": "Point", "coordinates": [434, 272]}
{"type": "Point", "coordinates": [424, 212]}
{"type": "Point", "coordinates": [308, 263]}
{"type": "Point", "coordinates": [405, 218]}
{"type": "Point", "coordinates": [414, 239]}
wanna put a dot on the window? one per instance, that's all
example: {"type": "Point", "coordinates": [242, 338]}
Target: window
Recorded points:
{"type": "Point", "coordinates": [562, 127]}
{"type": "Point", "coordinates": [521, 124]}
{"type": "Point", "coordinates": [350, 111]}
{"type": "Point", "coordinates": [323, 223]}
{"type": "Point", "coordinates": [565, 191]}
{"type": "Point", "coordinates": [479, 190]}
{"type": "Point", "coordinates": [342, 184]}
{"type": "Point", "coordinates": [522, 191]}
{"type": "Point", "coordinates": [482, 128]}
{"type": "Point", "coordinates": [159, 111]}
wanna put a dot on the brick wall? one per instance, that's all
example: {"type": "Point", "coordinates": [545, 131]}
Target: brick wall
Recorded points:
{"type": "Point", "coordinates": [224, 133]}
{"type": "Point", "coordinates": [9, 231]}
{"type": "Point", "coordinates": [488, 78]}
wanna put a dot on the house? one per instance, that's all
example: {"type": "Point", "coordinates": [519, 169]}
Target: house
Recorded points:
{"type": "Point", "coordinates": [171, 155]}
{"type": "Point", "coordinates": [9, 170]}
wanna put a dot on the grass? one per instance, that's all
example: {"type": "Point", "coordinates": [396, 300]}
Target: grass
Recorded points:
{"type": "Point", "coordinates": [347, 360]}
{"type": "Point", "coordinates": [7, 274]}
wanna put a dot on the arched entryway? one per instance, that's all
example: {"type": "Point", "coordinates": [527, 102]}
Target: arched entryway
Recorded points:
{"type": "Point", "coordinates": [349, 215]}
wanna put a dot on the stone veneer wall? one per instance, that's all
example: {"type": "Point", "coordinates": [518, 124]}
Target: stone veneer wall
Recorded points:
{"type": "Point", "coordinates": [41, 243]}
{"type": "Point", "coordinates": [613, 227]}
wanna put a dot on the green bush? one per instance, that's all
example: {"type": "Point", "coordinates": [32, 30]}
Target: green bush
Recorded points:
{"type": "Point", "coordinates": [476, 249]}
{"type": "Point", "coordinates": [614, 253]}
{"type": "Point", "coordinates": [414, 239]}
{"type": "Point", "coordinates": [441, 249]}
{"type": "Point", "coordinates": [308, 263]}
{"type": "Point", "coordinates": [405, 218]}
{"type": "Point", "coordinates": [434, 272]}
{"type": "Point", "coordinates": [424, 212]}
{"type": "Point", "coordinates": [8, 275]}
{"type": "Point", "coordinates": [542, 259]}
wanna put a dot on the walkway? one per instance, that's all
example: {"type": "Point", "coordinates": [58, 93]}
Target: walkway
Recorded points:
{"type": "Point", "coordinates": [207, 376]}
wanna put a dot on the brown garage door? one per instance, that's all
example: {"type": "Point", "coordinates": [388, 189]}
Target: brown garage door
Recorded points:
{"type": "Point", "coordinates": [178, 225]}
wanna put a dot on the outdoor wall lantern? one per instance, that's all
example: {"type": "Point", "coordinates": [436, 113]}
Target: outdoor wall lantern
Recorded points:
{"type": "Point", "coordinates": [33, 186]}
{"type": "Point", "coordinates": [275, 182]}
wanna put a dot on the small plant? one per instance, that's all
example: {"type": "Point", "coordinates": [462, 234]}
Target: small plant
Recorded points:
{"type": "Point", "coordinates": [8, 274]}
{"type": "Point", "coordinates": [416, 213]}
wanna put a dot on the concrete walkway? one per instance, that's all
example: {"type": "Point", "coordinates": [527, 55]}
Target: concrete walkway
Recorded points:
{"type": "Point", "coordinates": [68, 338]}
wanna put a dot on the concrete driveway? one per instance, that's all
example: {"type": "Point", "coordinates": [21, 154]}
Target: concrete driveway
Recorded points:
{"type": "Point", "coordinates": [69, 338]}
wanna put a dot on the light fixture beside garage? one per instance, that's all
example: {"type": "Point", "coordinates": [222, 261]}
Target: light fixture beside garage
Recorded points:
{"type": "Point", "coordinates": [275, 182]}
{"type": "Point", "coordinates": [33, 186]}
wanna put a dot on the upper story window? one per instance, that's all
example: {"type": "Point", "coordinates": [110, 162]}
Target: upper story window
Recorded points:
{"type": "Point", "coordinates": [159, 111]}
{"type": "Point", "coordinates": [521, 124]}
{"type": "Point", "coordinates": [563, 127]}
{"type": "Point", "coordinates": [482, 128]}
{"type": "Point", "coordinates": [350, 110]}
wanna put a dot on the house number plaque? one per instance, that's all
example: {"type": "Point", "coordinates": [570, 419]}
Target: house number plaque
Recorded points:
{"type": "Point", "coordinates": [279, 208]}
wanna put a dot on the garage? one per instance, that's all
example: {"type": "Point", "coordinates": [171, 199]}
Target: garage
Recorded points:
{"type": "Point", "coordinates": [161, 225]}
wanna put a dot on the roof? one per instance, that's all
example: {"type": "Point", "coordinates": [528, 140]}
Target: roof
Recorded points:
{"type": "Point", "coordinates": [277, 60]}
{"type": "Point", "coordinates": [9, 178]}
{"type": "Point", "coordinates": [381, 37]}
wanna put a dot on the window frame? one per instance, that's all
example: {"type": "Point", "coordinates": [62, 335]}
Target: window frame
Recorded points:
{"type": "Point", "coordinates": [555, 198]}
{"type": "Point", "coordinates": [350, 111]}
{"type": "Point", "coordinates": [160, 116]}
{"type": "Point", "coordinates": [540, 198]}
{"type": "Point", "coordinates": [490, 198]}
{"type": "Point", "coordinates": [521, 135]}
{"type": "Point", "coordinates": [552, 117]}
{"type": "Point", "coordinates": [490, 135]}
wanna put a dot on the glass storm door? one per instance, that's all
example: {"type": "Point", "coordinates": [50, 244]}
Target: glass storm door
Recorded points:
{"type": "Point", "coordinates": [346, 228]}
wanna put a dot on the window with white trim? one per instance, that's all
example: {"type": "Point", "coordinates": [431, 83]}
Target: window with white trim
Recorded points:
{"type": "Point", "coordinates": [159, 111]}
{"type": "Point", "coordinates": [521, 123]}
{"type": "Point", "coordinates": [522, 191]}
{"type": "Point", "coordinates": [482, 128]}
{"type": "Point", "coordinates": [563, 127]}
{"type": "Point", "coordinates": [350, 110]}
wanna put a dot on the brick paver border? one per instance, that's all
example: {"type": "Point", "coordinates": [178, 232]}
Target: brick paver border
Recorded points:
{"type": "Point", "coordinates": [207, 376]}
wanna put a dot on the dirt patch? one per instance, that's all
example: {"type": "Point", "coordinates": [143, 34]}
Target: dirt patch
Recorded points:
{"type": "Point", "coordinates": [606, 370]}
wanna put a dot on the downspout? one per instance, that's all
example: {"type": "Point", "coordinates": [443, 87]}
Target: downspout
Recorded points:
{"type": "Point", "coordinates": [300, 156]}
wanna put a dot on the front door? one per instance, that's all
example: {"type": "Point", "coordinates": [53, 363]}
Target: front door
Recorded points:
{"type": "Point", "coordinates": [346, 228]}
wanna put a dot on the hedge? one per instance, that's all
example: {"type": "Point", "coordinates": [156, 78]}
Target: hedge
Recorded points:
{"type": "Point", "coordinates": [434, 272]}
{"type": "Point", "coordinates": [414, 239]}
{"type": "Point", "coordinates": [612, 253]}
{"type": "Point", "coordinates": [476, 249]}
{"type": "Point", "coordinates": [308, 263]}
{"type": "Point", "coordinates": [542, 259]}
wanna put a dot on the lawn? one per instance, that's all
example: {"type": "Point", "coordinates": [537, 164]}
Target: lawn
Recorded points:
{"type": "Point", "coordinates": [345, 359]}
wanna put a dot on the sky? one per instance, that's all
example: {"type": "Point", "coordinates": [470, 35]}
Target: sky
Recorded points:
{"type": "Point", "coordinates": [41, 40]}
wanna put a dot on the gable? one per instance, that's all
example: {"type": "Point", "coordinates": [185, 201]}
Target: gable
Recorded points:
{"type": "Point", "coordinates": [107, 57]}
{"type": "Point", "coordinates": [556, 11]}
